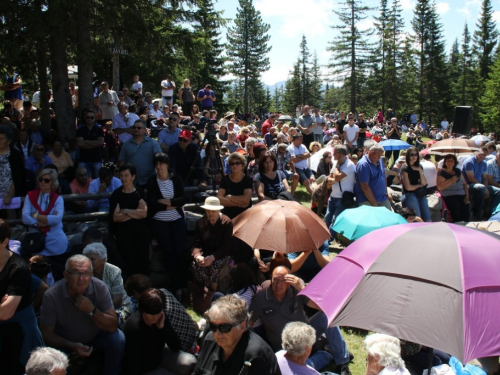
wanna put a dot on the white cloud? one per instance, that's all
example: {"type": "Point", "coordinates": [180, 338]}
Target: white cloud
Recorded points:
{"type": "Point", "coordinates": [496, 16]}
{"type": "Point", "coordinates": [464, 11]}
{"type": "Point", "coordinates": [366, 24]}
{"type": "Point", "coordinates": [276, 74]}
{"type": "Point", "coordinates": [407, 4]}
{"type": "Point", "coordinates": [442, 7]}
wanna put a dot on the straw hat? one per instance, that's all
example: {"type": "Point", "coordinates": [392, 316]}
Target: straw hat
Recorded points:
{"type": "Point", "coordinates": [212, 204]}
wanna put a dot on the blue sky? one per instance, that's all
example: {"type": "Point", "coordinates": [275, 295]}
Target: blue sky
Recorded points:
{"type": "Point", "coordinates": [290, 19]}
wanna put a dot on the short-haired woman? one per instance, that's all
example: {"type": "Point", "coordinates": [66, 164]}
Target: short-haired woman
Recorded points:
{"type": "Point", "coordinates": [454, 189]}
{"type": "Point", "coordinates": [270, 181]}
{"type": "Point", "coordinates": [384, 355]}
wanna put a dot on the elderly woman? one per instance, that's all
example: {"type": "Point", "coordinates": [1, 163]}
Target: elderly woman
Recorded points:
{"type": "Point", "coordinates": [229, 347]}
{"type": "Point", "coordinates": [235, 190]}
{"type": "Point", "coordinates": [168, 223]}
{"type": "Point", "coordinates": [44, 209]}
{"type": "Point", "coordinates": [111, 276]}
{"type": "Point", "coordinates": [454, 189]}
{"type": "Point", "coordinates": [297, 340]}
{"type": "Point", "coordinates": [414, 185]}
{"type": "Point", "coordinates": [384, 355]}
{"type": "Point", "coordinates": [270, 181]}
{"type": "Point", "coordinates": [249, 149]}
{"type": "Point", "coordinates": [19, 333]}
{"type": "Point", "coordinates": [127, 212]}
{"type": "Point", "coordinates": [147, 332]}
{"type": "Point", "coordinates": [47, 361]}
{"type": "Point", "coordinates": [212, 244]}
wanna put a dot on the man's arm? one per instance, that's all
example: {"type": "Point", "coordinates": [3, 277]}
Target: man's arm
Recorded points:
{"type": "Point", "coordinates": [99, 142]}
{"type": "Point", "coordinates": [492, 182]}
{"type": "Point", "coordinates": [322, 260]}
{"type": "Point", "coordinates": [54, 340]}
{"type": "Point", "coordinates": [105, 320]}
{"type": "Point", "coordinates": [367, 191]}
{"type": "Point", "coordinates": [472, 179]}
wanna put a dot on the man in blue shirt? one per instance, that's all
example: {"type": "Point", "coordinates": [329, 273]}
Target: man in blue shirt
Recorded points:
{"type": "Point", "coordinates": [207, 97]}
{"type": "Point", "coordinates": [474, 170]}
{"type": "Point", "coordinates": [169, 136]}
{"type": "Point", "coordinates": [106, 183]}
{"type": "Point", "coordinates": [38, 160]}
{"type": "Point", "coordinates": [371, 187]}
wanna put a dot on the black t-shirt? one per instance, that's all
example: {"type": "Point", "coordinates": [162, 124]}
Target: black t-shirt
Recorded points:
{"type": "Point", "coordinates": [236, 188]}
{"type": "Point", "coordinates": [413, 176]}
{"type": "Point", "coordinates": [272, 188]}
{"type": "Point", "coordinates": [362, 125]}
{"type": "Point", "coordinates": [130, 201]}
{"type": "Point", "coordinates": [15, 280]}
{"type": "Point", "coordinates": [90, 155]}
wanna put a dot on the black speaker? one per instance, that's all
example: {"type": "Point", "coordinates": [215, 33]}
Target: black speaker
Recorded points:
{"type": "Point", "coordinates": [463, 120]}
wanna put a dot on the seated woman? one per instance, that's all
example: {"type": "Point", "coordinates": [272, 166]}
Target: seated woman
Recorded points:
{"type": "Point", "coordinates": [325, 164]}
{"type": "Point", "coordinates": [253, 166]}
{"type": "Point", "coordinates": [230, 348]}
{"type": "Point", "coordinates": [270, 181]}
{"type": "Point", "coordinates": [454, 189]}
{"type": "Point", "coordinates": [112, 277]}
{"type": "Point", "coordinates": [235, 190]}
{"type": "Point", "coordinates": [222, 134]}
{"type": "Point", "coordinates": [414, 185]}
{"type": "Point", "coordinates": [19, 333]}
{"type": "Point", "coordinates": [242, 137]}
{"type": "Point", "coordinates": [147, 332]}
{"type": "Point", "coordinates": [384, 355]}
{"type": "Point", "coordinates": [212, 244]}
{"type": "Point", "coordinates": [297, 340]}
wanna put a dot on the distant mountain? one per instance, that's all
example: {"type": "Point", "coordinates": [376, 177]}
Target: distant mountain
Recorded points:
{"type": "Point", "coordinates": [282, 83]}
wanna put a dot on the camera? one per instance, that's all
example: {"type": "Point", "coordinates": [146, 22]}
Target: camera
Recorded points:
{"type": "Point", "coordinates": [210, 128]}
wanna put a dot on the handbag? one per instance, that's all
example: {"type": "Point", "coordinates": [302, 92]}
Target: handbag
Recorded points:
{"type": "Point", "coordinates": [421, 192]}
{"type": "Point", "coordinates": [32, 241]}
{"type": "Point", "coordinates": [347, 199]}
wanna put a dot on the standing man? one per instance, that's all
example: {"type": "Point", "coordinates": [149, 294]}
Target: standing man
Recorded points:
{"type": "Point", "coordinates": [318, 130]}
{"type": "Point", "coordinates": [167, 91]}
{"type": "Point", "coordinates": [122, 123]}
{"type": "Point", "coordinates": [299, 155]}
{"type": "Point", "coordinates": [78, 315]}
{"type": "Point", "coordinates": [169, 136]}
{"type": "Point", "coordinates": [306, 125]}
{"type": "Point", "coordinates": [140, 151]}
{"type": "Point", "coordinates": [137, 86]}
{"type": "Point", "coordinates": [108, 102]}
{"type": "Point", "coordinates": [207, 98]}
{"type": "Point", "coordinates": [371, 186]}
{"type": "Point", "coordinates": [445, 124]}
{"type": "Point", "coordinates": [340, 123]}
{"type": "Point", "coordinates": [351, 133]}
{"type": "Point", "coordinates": [268, 124]}
{"type": "Point", "coordinates": [362, 129]}
{"type": "Point", "coordinates": [90, 139]}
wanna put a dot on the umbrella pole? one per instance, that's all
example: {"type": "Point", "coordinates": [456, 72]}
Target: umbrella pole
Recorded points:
{"type": "Point", "coordinates": [431, 360]}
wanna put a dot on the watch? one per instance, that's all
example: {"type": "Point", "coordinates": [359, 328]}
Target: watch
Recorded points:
{"type": "Point", "coordinates": [91, 314]}
{"type": "Point", "coordinates": [126, 211]}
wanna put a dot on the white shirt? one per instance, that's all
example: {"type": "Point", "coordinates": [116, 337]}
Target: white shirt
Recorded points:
{"type": "Point", "coordinates": [297, 151]}
{"type": "Point", "coordinates": [157, 114]}
{"type": "Point", "coordinates": [430, 173]}
{"type": "Point", "coordinates": [170, 91]}
{"type": "Point", "coordinates": [351, 132]}
{"type": "Point", "coordinates": [445, 124]}
{"type": "Point", "coordinates": [138, 86]}
{"type": "Point", "coordinates": [347, 182]}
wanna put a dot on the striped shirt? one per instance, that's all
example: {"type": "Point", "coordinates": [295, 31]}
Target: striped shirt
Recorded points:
{"type": "Point", "coordinates": [167, 191]}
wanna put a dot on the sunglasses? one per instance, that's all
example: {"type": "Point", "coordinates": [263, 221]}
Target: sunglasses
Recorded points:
{"type": "Point", "coordinates": [138, 127]}
{"type": "Point", "coordinates": [413, 154]}
{"type": "Point", "coordinates": [172, 118]}
{"type": "Point", "coordinates": [184, 140]}
{"type": "Point", "coordinates": [89, 118]}
{"type": "Point", "coordinates": [235, 163]}
{"type": "Point", "coordinates": [46, 180]}
{"type": "Point", "coordinates": [223, 328]}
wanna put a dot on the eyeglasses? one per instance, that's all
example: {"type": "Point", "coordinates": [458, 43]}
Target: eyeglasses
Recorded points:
{"type": "Point", "coordinates": [84, 275]}
{"type": "Point", "coordinates": [46, 180]}
{"type": "Point", "coordinates": [89, 117]}
{"type": "Point", "coordinates": [223, 328]}
{"type": "Point", "coordinates": [413, 155]}
{"type": "Point", "coordinates": [138, 127]}
{"type": "Point", "coordinates": [235, 163]}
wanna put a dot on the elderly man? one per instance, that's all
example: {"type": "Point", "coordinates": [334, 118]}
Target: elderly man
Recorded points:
{"type": "Point", "coordinates": [77, 315]}
{"type": "Point", "coordinates": [493, 170]}
{"type": "Point", "coordinates": [90, 139]}
{"type": "Point", "coordinates": [299, 155]}
{"type": "Point", "coordinates": [279, 304]}
{"type": "Point", "coordinates": [108, 102]}
{"type": "Point", "coordinates": [371, 187]}
{"type": "Point", "coordinates": [268, 124]}
{"type": "Point", "coordinates": [169, 136]}
{"type": "Point", "coordinates": [105, 183]}
{"type": "Point", "coordinates": [38, 160]}
{"type": "Point", "coordinates": [140, 151]}
{"type": "Point", "coordinates": [47, 361]}
{"type": "Point", "coordinates": [122, 123]}
{"type": "Point", "coordinates": [475, 172]}
{"type": "Point", "coordinates": [307, 124]}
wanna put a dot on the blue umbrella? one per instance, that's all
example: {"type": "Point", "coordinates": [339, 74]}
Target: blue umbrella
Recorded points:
{"type": "Point", "coordinates": [394, 144]}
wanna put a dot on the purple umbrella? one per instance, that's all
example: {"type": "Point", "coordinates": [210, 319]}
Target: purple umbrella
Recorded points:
{"type": "Point", "coordinates": [436, 284]}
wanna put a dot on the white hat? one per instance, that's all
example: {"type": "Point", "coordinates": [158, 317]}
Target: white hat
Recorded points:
{"type": "Point", "coordinates": [212, 204]}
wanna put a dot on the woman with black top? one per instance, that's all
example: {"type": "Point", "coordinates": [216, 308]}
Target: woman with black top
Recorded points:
{"type": "Point", "coordinates": [128, 211]}
{"type": "Point", "coordinates": [414, 185]}
{"type": "Point", "coordinates": [393, 133]}
{"type": "Point", "coordinates": [325, 164]}
{"type": "Point", "coordinates": [454, 189]}
{"type": "Point", "coordinates": [168, 223]}
{"type": "Point", "coordinates": [269, 182]}
{"type": "Point", "coordinates": [186, 98]}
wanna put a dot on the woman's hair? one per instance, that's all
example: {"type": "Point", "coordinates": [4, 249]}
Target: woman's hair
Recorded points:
{"type": "Point", "coordinates": [137, 283]}
{"type": "Point", "coordinates": [130, 167]}
{"type": "Point", "coordinates": [242, 277]}
{"type": "Point", "coordinates": [229, 308]}
{"type": "Point", "coordinates": [39, 266]}
{"type": "Point", "coordinates": [311, 146]}
{"type": "Point", "coordinates": [451, 156]}
{"type": "Point", "coordinates": [43, 361]}
{"type": "Point", "coordinates": [53, 176]}
{"type": "Point", "coordinates": [263, 157]}
{"type": "Point", "coordinates": [250, 141]}
{"type": "Point", "coordinates": [244, 129]}
{"type": "Point", "coordinates": [326, 154]}
{"type": "Point", "coordinates": [406, 212]}
{"type": "Point", "coordinates": [151, 301]}
{"type": "Point", "coordinates": [296, 337]}
{"type": "Point", "coordinates": [411, 150]}
{"type": "Point", "coordinates": [258, 149]}
{"type": "Point", "coordinates": [236, 156]}
{"type": "Point", "coordinates": [186, 80]}
{"type": "Point", "coordinates": [96, 248]}
{"type": "Point", "coordinates": [5, 231]}
{"type": "Point", "coordinates": [4, 129]}
{"type": "Point", "coordinates": [386, 348]}
{"type": "Point", "coordinates": [161, 157]}
{"type": "Point", "coordinates": [222, 126]}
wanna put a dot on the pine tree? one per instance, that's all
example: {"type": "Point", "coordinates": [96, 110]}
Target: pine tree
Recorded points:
{"type": "Point", "coordinates": [305, 72]}
{"type": "Point", "coordinates": [247, 47]}
{"type": "Point", "coordinates": [490, 114]}
{"type": "Point", "coordinates": [350, 49]}
{"type": "Point", "coordinates": [485, 39]}
{"type": "Point", "coordinates": [316, 82]}
{"type": "Point", "coordinates": [293, 90]}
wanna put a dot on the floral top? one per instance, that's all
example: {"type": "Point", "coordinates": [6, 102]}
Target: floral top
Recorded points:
{"type": "Point", "coordinates": [5, 175]}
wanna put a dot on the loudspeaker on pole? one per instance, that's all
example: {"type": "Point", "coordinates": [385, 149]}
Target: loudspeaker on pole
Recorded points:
{"type": "Point", "coordinates": [463, 119]}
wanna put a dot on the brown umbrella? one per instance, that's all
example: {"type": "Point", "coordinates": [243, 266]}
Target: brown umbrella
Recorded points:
{"type": "Point", "coordinates": [280, 225]}
{"type": "Point", "coordinates": [453, 146]}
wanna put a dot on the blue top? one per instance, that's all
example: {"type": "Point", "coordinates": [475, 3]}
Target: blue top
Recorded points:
{"type": "Point", "coordinates": [102, 204]}
{"type": "Point", "coordinates": [16, 93]}
{"type": "Point", "coordinates": [206, 102]}
{"type": "Point", "coordinates": [141, 155]}
{"type": "Point", "coordinates": [310, 268]}
{"type": "Point", "coordinates": [169, 138]}
{"type": "Point", "coordinates": [472, 164]}
{"type": "Point", "coordinates": [366, 171]}
{"type": "Point", "coordinates": [56, 241]}
{"type": "Point", "coordinates": [34, 166]}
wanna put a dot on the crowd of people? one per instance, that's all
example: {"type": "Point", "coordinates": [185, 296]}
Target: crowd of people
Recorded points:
{"type": "Point", "coordinates": [138, 157]}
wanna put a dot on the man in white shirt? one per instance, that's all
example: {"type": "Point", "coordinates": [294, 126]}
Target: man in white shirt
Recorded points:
{"type": "Point", "coordinates": [167, 91]}
{"type": "Point", "coordinates": [156, 110]}
{"type": "Point", "coordinates": [108, 102]}
{"type": "Point", "coordinates": [122, 123]}
{"type": "Point", "coordinates": [299, 155]}
{"type": "Point", "coordinates": [137, 85]}
{"type": "Point", "coordinates": [444, 124]}
{"type": "Point", "coordinates": [351, 133]}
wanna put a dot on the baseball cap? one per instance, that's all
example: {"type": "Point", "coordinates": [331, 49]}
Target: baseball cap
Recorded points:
{"type": "Point", "coordinates": [186, 134]}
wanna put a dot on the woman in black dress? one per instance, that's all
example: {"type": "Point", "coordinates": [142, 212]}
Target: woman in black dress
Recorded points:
{"type": "Point", "coordinates": [128, 211]}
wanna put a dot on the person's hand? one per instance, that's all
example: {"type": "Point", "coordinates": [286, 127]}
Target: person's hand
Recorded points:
{"type": "Point", "coordinates": [83, 304]}
{"type": "Point", "coordinates": [294, 281]}
{"type": "Point", "coordinates": [83, 350]}
{"type": "Point", "coordinates": [466, 199]}
{"type": "Point", "coordinates": [203, 186]}
{"type": "Point", "coordinates": [142, 205]}
{"type": "Point", "coordinates": [199, 259]}
{"type": "Point", "coordinates": [208, 261]}
{"type": "Point", "coordinates": [486, 194]}
{"type": "Point", "coordinates": [224, 219]}
{"type": "Point", "coordinates": [102, 187]}
{"type": "Point", "coordinates": [7, 200]}
{"type": "Point", "coordinates": [160, 323]}
{"type": "Point", "coordinates": [264, 267]}
{"type": "Point", "coordinates": [4, 298]}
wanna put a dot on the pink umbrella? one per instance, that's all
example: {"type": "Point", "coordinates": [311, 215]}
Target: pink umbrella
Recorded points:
{"type": "Point", "coordinates": [436, 284]}
{"type": "Point", "coordinates": [430, 142]}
